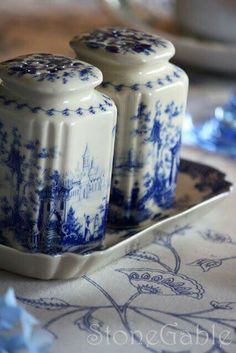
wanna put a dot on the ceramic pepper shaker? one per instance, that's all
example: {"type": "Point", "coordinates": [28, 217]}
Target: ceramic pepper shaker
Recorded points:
{"type": "Point", "coordinates": [56, 152]}
{"type": "Point", "coordinates": [150, 94]}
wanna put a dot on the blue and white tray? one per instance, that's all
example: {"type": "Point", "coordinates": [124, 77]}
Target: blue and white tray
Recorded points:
{"type": "Point", "coordinates": [200, 187]}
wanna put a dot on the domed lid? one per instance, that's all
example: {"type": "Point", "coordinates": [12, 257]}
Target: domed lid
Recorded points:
{"type": "Point", "coordinates": [115, 44]}
{"type": "Point", "coordinates": [47, 73]}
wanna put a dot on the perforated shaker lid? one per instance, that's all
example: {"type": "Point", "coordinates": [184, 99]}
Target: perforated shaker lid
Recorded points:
{"type": "Point", "coordinates": [122, 46]}
{"type": "Point", "coordinates": [49, 73]}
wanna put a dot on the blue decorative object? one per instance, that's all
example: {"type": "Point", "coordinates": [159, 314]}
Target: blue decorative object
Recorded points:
{"type": "Point", "coordinates": [56, 153]}
{"type": "Point", "coordinates": [18, 333]}
{"type": "Point", "coordinates": [190, 200]}
{"type": "Point", "coordinates": [160, 136]}
{"type": "Point", "coordinates": [54, 198]}
{"type": "Point", "coordinates": [150, 94]}
{"type": "Point", "coordinates": [218, 134]}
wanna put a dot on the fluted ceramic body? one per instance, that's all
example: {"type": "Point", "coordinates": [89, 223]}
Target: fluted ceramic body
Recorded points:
{"type": "Point", "coordinates": [150, 94]}
{"type": "Point", "coordinates": [56, 151]}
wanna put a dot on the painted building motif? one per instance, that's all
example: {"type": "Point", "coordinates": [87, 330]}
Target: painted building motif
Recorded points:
{"type": "Point", "coordinates": [43, 210]}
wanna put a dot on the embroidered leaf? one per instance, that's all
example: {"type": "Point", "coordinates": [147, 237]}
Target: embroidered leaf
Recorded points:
{"type": "Point", "coordinates": [165, 283]}
{"type": "Point", "coordinates": [216, 237]}
{"type": "Point", "coordinates": [46, 303]}
{"type": "Point", "coordinates": [143, 256]}
{"type": "Point", "coordinates": [222, 305]}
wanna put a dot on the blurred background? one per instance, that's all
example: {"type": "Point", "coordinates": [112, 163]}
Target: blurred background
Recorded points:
{"type": "Point", "coordinates": [203, 32]}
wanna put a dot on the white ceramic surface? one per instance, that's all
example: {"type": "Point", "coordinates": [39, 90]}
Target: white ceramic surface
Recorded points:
{"type": "Point", "coordinates": [150, 94]}
{"type": "Point", "coordinates": [56, 151]}
{"type": "Point", "coordinates": [199, 188]}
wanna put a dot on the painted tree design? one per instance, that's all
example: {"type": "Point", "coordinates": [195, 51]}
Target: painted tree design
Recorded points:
{"type": "Point", "coordinates": [159, 132]}
{"type": "Point", "coordinates": [71, 228]}
{"type": "Point", "coordinates": [163, 141]}
{"type": "Point", "coordinates": [23, 175]}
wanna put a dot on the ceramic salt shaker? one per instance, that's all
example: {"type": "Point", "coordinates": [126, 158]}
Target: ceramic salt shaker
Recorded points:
{"type": "Point", "coordinates": [56, 152]}
{"type": "Point", "coordinates": [150, 94]}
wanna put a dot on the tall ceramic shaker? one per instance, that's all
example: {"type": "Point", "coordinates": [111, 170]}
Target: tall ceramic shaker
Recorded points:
{"type": "Point", "coordinates": [56, 152]}
{"type": "Point", "coordinates": [150, 94]}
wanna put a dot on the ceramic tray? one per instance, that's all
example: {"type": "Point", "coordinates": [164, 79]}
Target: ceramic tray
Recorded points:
{"type": "Point", "coordinates": [199, 188]}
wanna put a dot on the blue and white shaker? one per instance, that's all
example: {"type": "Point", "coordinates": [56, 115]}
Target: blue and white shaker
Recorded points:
{"type": "Point", "coordinates": [150, 94]}
{"type": "Point", "coordinates": [56, 152]}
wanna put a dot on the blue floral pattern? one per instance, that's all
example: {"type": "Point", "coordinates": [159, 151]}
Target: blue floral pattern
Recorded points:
{"type": "Point", "coordinates": [157, 272]}
{"type": "Point", "coordinates": [149, 85]}
{"type": "Point", "coordinates": [53, 112]}
{"type": "Point", "coordinates": [122, 41]}
{"type": "Point", "coordinates": [50, 68]}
